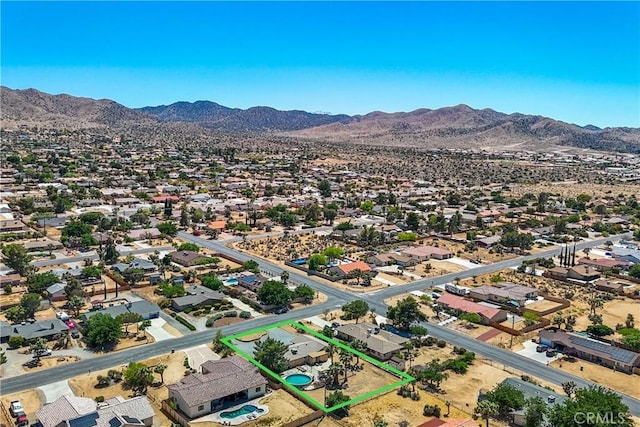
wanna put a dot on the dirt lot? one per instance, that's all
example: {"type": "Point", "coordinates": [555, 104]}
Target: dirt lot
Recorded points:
{"type": "Point", "coordinates": [613, 313]}
{"type": "Point", "coordinates": [602, 375]}
{"type": "Point", "coordinates": [30, 399]}
{"type": "Point", "coordinates": [595, 190]}
{"type": "Point", "coordinates": [49, 362]}
{"type": "Point", "coordinates": [84, 385]}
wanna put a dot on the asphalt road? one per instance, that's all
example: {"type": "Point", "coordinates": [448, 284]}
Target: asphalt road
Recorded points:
{"type": "Point", "coordinates": [335, 298]}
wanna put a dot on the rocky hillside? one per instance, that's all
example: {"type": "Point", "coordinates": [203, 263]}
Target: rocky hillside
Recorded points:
{"type": "Point", "coordinates": [215, 116]}
{"type": "Point", "coordinates": [451, 127]}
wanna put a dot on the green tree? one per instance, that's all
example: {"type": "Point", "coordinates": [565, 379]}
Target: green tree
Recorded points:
{"type": "Point", "coordinates": [127, 319]}
{"type": "Point", "coordinates": [74, 288]}
{"type": "Point", "coordinates": [325, 188]}
{"type": "Point", "coordinates": [16, 257]}
{"type": "Point", "coordinates": [188, 246]}
{"type": "Point", "coordinates": [535, 412]}
{"type": "Point", "coordinates": [143, 326]}
{"type": "Point", "coordinates": [275, 293]}
{"type": "Point", "coordinates": [316, 260]}
{"type": "Point", "coordinates": [38, 283]}
{"type": "Point", "coordinates": [507, 397]}
{"type": "Point", "coordinates": [16, 341]}
{"type": "Point", "coordinates": [405, 313]}
{"type": "Point", "coordinates": [634, 271]}
{"type": "Point", "coordinates": [355, 309]}
{"type": "Point", "coordinates": [132, 275]}
{"type": "Point", "coordinates": [406, 236]}
{"type": "Point", "coordinates": [569, 388]}
{"type": "Point", "coordinates": [111, 254]}
{"type": "Point", "coordinates": [168, 228]}
{"type": "Point", "coordinates": [270, 353]}
{"type": "Point", "coordinates": [486, 409]}
{"type": "Point", "coordinates": [593, 400]}
{"type": "Point", "coordinates": [159, 369]}
{"type": "Point", "coordinates": [599, 330]}
{"type": "Point", "coordinates": [138, 377]}
{"type": "Point", "coordinates": [413, 220]}
{"type": "Point", "coordinates": [30, 303]}
{"type": "Point", "coordinates": [333, 252]}
{"type": "Point", "coordinates": [338, 398]}
{"type": "Point", "coordinates": [38, 346]}
{"type": "Point", "coordinates": [16, 314]}
{"type": "Point", "coordinates": [251, 266]}
{"type": "Point", "coordinates": [76, 303]}
{"type": "Point", "coordinates": [305, 292]}
{"type": "Point", "coordinates": [367, 206]}
{"type": "Point", "coordinates": [329, 215]}
{"type": "Point", "coordinates": [212, 282]}
{"type": "Point", "coordinates": [102, 331]}
{"type": "Point", "coordinates": [344, 226]}
{"type": "Point", "coordinates": [358, 345]}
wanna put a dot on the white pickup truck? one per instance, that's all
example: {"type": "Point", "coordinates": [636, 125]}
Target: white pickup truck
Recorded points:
{"type": "Point", "coordinates": [16, 408]}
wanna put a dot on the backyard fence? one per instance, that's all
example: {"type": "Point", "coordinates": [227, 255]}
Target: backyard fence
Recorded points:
{"type": "Point", "coordinates": [305, 420]}
{"type": "Point", "coordinates": [175, 414]}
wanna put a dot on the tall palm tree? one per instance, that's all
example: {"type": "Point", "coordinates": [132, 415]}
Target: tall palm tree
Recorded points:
{"type": "Point", "coordinates": [334, 371]}
{"type": "Point", "coordinates": [345, 360]}
{"type": "Point", "coordinates": [358, 345]}
{"type": "Point", "coordinates": [332, 349]}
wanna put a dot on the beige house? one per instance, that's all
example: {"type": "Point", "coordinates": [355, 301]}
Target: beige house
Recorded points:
{"type": "Point", "coordinates": [222, 383]}
{"type": "Point", "coordinates": [380, 344]}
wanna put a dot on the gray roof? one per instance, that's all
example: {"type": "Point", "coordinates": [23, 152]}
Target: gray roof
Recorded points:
{"type": "Point", "coordinates": [82, 411]}
{"type": "Point", "coordinates": [136, 263]}
{"type": "Point", "coordinates": [224, 377]}
{"type": "Point", "coordinates": [383, 342]}
{"type": "Point", "coordinates": [302, 346]}
{"type": "Point", "coordinates": [39, 329]}
{"type": "Point", "coordinates": [144, 308]}
{"type": "Point", "coordinates": [55, 288]}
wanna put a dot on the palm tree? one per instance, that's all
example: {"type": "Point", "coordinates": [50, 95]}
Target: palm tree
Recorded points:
{"type": "Point", "coordinates": [345, 360]}
{"type": "Point", "coordinates": [285, 277]}
{"type": "Point", "coordinates": [334, 371]}
{"type": "Point", "coordinates": [358, 345]}
{"type": "Point", "coordinates": [332, 349]}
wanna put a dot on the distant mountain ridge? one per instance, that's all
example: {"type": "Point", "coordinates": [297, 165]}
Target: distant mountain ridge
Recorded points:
{"type": "Point", "coordinates": [212, 115]}
{"type": "Point", "coordinates": [456, 127]}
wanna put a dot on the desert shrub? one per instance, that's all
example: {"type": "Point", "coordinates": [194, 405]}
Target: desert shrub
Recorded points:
{"type": "Point", "coordinates": [415, 396]}
{"type": "Point", "coordinates": [441, 343]}
{"type": "Point", "coordinates": [188, 310]}
{"type": "Point", "coordinates": [431, 411]}
{"type": "Point", "coordinates": [245, 315]}
{"type": "Point", "coordinates": [210, 321]}
{"type": "Point", "coordinates": [114, 375]}
{"type": "Point", "coordinates": [231, 314]}
{"type": "Point", "coordinates": [16, 341]}
{"type": "Point", "coordinates": [99, 399]}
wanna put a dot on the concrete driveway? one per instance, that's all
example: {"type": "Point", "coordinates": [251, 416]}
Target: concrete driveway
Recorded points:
{"type": "Point", "coordinates": [55, 390]}
{"type": "Point", "coordinates": [530, 352]}
{"type": "Point", "coordinates": [200, 354]}
{"type": "Point", "coordinates": [157, 331]}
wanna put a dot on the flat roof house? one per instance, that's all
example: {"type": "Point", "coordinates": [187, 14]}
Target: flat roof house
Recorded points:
{"type": "Point", "coordinates": [592, 350]}
{"type": "Point", "coordinates": [144, 308]}
{"type": "Point", "coordinates": [221, 384]}
{"type": "Point", "coordinates": [380, 344]}
{"type": "Point", "coordinates": [423, 253]}
{"type": "Point", "coordinates": [603, 264]}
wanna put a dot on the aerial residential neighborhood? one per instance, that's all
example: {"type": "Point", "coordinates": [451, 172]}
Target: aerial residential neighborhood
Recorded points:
{"type": "Point", "coordinates": [359, 240]}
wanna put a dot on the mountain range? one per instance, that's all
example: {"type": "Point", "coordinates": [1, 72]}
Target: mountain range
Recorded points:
{"type": "Point", "coordinates": [454, 127]}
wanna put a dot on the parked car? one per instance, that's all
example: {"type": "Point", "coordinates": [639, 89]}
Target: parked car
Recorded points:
{"type": "Point", "coordinates": [541, 348]}
{"type": "Point", "coordinates": [42, 353]}
{"type": "Point", "coordinates": [335, 325]}
{"type": "Point", "coordinates": [71, 324]}
{"type": "Point", "coordinates": [281, 310]}
{"type": "Point", "coordinates": [75, 334]}
{"type": "Point", "coordinates": [551, 352]}
{"type": "Point", "coordinates": [22, 420]}
{"type": "Point", "coordinates": [16, 408]}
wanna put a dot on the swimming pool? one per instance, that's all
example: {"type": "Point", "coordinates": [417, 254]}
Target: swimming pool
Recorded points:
{"type": "Point", "coordinates": [299, 380]}
{"type": "Point", "coordinates": [246, 409]}
{"type": "Point", "coordinates": [231, 282]}
{"type": "Point", "coordinates": [299, 261]}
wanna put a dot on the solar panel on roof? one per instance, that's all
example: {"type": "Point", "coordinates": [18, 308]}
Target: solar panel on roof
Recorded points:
{"type": "Point", "coordinates": [88, 420]}
{"type": "Point", "coordinates": [115, 422]}
{"type": "Point", "coordinates": [131, 419]}
{"type": "Point", "coordinates": [615, 352]}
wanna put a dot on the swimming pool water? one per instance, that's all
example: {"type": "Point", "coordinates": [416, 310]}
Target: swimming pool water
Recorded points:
{"type": "Point", "coordinates": [298, 379]}
{"type": "Point", "coordinates": [231, 282]}
{"type": "Point", "coordinates": [246, 409]}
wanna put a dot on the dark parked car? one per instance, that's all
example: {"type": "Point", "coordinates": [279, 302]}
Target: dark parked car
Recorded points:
{"type": "Point", "coordinates": [541, 348]}
{"type": "Point", "coordinates": [281, 310]}
{"type": "Point", "coordinates": [335, 325]}
{"type": "Point", "coordinates": [75, 334]}
{"type": "Point", "coordinates": [551, 352]}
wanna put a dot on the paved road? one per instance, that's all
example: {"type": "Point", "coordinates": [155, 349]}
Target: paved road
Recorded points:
{"type": "Point", "coordinates": [336, 298]}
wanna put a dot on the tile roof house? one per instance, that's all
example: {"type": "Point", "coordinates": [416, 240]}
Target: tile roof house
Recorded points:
{"type": "Point", "coordinates": [504, 293]}
{"type": "Point", "coordinates": [608, 286]}
{"type": "Point", "coordinates": [349, 269]}
{"type": "Point", "coordinates": [186, 258]}
{"type": "Point", "coordinates": [380, 344]}
{"type": "Point", "coordinates": [592, 350]}
{"type": "Point", "coordinates": [81, 411]}
{"type": "Point", "coordinates": [603, 263]}
{"type": "Point", "coordinates": [142, 264]}
{"type": "Point", "coordinates": [196, 296]}
{"type": "Point", "coordinates": [222, 383]}
{"type": "Point", "coordinates": [460, 305]}
{"type": "Point", "coordinates": [46, 329]}
{"type": "Point", "coordinates": [423, 253]}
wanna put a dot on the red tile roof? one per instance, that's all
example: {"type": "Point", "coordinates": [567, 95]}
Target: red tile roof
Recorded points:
{"type": "Point", "coordinates": [467, 306]}
{"type": "Point", "coordinates": [353, 266]}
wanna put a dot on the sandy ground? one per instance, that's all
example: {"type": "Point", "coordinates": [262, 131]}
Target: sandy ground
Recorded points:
{"type": "Point", "coordinates": [613, 313]}
{"type": "Point", "coordinates": [595, 190]}
{"type": "Point", "coordinates": [543, 305]}
{"type": "Point", "coordinates": [84, 385]}
{"type": "Point", "coordinates": [31, 401]}
{"type": "Point", "coordinates": [49, 362]}
{"type": "Point", "coordinates": [602, 375]}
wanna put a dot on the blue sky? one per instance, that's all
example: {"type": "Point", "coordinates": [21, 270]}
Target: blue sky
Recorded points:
{"type": "Point", "coordinates": [575, 61]}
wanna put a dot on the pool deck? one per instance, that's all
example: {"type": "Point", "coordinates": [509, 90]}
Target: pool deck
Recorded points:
{"type": "Point", "coordinates": [215, 417]}
{"type": "Point", "coordinates": [312, 371]}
